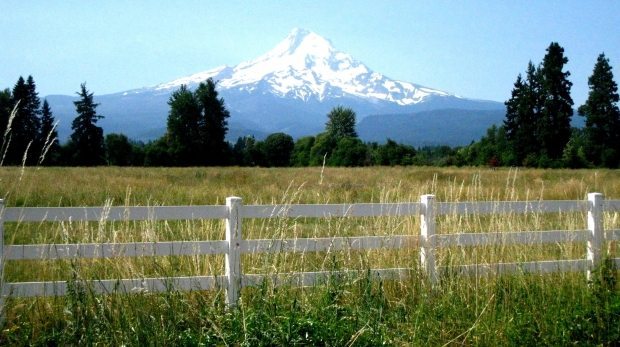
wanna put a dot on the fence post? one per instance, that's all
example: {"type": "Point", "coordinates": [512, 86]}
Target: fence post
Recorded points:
{"type": "Point", "coordinates": [233, 257]}
{"type": "Point", "coordinates": [427, 241]}
{"type": "Point", "coordinates": [595, 227]}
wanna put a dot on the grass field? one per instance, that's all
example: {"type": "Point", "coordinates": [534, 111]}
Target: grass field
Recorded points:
{"type": "Point", "coordinates": [173, 186]}
{"type": "Point", "coordinates": [516, 309]}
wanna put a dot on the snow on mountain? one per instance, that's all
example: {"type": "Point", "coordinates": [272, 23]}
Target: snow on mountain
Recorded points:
{"type": "Point", "coordinates": [306, 66]}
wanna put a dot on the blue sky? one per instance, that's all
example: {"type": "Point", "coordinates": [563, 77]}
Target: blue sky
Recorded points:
{"type": "Point", "coordinates": [471, 48]}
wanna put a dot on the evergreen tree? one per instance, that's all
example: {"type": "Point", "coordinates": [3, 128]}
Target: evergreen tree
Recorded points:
{"type": "Point", "coordinates": [554, 128]}
{"type": "Point", "coordinates": [213, 124]}
{"type": "Point", "coordinates": [33, 109]}
{"type": "Point", "coordinates": [247, 152]}
{"type": "Point", "coordinates": [517, 110]}
{"type": "Point", "coordinates": [33, 103]}
{"type": "Point", "coordinates": [523, 112]}
{"type": "Point", "coordinates": [341, 123]}
{"type": "Point", "coordinates": [197, 126]}
{"type": "Point", "coordinates": [183, 135]}
{"type": "Point", "coordinates": [239, 150]}
{"type": "Point", "coordinates": [529, 134]}
{"type": "Point", "coordinates": [539, 110]}
{"type": "Point", "coordinates": [602, 130]}
{"type": "Point", "coordinates": [535, 92]}
{"type": "Point", "coordinates": [25, 127]}
{"type": "Point", "coordinates": [86, 142]}
{"type": "Point", "coordinates": [50, 150]}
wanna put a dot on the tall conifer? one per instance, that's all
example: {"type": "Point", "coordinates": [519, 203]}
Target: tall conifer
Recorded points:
{"type": "Point", "coordinates": [213, 124]}
{"type": "Point", "coordinates": [557, 108]}
{"type": "Point", "coordinates": [197, 126]}
{"type": "Point", "coordinates": [602, 116]}
{"type": "Point", "coordinates": [539, 110]}
{"type": "Point", "coordinates": [523, 114]}
{"type": "Point", "coordinates": [86, 143]}
{"type": "Point", "coordinates": [183, 135]}
{"type": "Point", "coordinates": [516, 109]}
{"type": "Point", "coordinates": [25, 127]}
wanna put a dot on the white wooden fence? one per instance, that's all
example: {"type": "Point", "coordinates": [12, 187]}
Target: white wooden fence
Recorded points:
{"type": "Point", "coordinates": [235, 245]}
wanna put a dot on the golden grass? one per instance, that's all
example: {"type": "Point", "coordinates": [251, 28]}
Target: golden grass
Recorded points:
{"type": "Point", "coordinates": [192, 186]}
{"type": "Point", "coordinates": [184, 186]}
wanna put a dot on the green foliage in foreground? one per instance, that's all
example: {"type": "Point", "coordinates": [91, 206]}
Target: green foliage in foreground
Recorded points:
{"type": "Point", "coordinates": [512, 310]}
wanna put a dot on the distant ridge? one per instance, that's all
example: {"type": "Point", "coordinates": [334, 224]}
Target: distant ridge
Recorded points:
{"type": "Point", "coordinates": [452, 127]}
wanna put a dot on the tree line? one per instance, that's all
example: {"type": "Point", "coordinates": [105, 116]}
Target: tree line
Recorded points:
{"type": "Point", "coordinates": [536, 131]}
{"type": "Point", "coordinates": [28, 130]}
{"type": "Point", "coordinates": [195, 136]}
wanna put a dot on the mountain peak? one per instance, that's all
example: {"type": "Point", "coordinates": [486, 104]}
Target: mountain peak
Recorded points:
{"type": "Point", "coordinates": [306, 66]}
{"type": "Point", "coordinates": [296, 37]}
{"type": "Point", "coordinates": [299, 32]}
{"type": "Point", "coordinates": [301, 42]}
{"type": "Point", "coordinates": [302, 37]}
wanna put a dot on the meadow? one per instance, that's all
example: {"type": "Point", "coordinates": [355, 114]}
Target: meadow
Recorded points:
{"type": "Point", "coordinates": [497, 310]}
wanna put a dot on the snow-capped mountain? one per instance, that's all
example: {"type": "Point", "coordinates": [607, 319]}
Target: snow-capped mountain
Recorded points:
{"type": "Point", "coordinates": [291, 88]}
{"type": "Point", "coordinates": [306, 66]}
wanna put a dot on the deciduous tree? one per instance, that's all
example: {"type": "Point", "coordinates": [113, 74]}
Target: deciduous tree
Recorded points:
{"type": "Point", "coordinates": [301, 155]}
{"type": "Point", "coordinates": [349, 151]}
{"type": "Point", "coordinates": [119, 150]}
{"type": "Point", "coordinates": [341, 123]}
{"type": "Point", "coordinates": [277, 149]}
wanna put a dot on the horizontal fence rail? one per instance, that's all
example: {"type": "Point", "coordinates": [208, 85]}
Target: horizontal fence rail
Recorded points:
{"type": "Point", "coordinates": [545, 266]}
{"type": "Point", "coordinates": [428, 241]}
{"type": "Point", "coordinates": [111, 214]}
{"type": "Point", "coordinates": [330, 210]}
{"type": "Point", "coordinates": [515, 207]}
{"type": "Point", "coordinates": [328, 243]}
{"type": "Point", "coordinates": [113, 250]}
{"type": "Point", "coordinates": [510, 238]}
{"type": "Point", "coordinates": [155, 285]}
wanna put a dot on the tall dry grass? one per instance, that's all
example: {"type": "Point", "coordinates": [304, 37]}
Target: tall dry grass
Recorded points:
{"type": "Point", "coordinates": [154, 187]}
{"type": "Point", "coordinates": [481, 306]}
